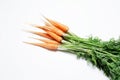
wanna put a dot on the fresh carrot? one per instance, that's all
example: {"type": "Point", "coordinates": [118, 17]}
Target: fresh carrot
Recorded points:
{"type": "Point", "coordinates": [105, 55]}
{"type": "Point", "coordinates": [54, 36]}
{"type": "Point", "coordinates": [41, 34]}
{"type": "Point", "coordinates": [45, 45]}
{"type": "Point", "coordinates": [47, 41]}
{"type": "Point", "coordinates": [44, 28]}
{"type": "Point", "coordinates": [63, 27]}
{"type": "Point", "coordinates": [56, 30]}
{"type": "Point", "coordinates": [50, 28]}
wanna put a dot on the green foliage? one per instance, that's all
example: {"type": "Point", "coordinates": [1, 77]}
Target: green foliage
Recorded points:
{"type": "Point", "coordinates": [103, 54]}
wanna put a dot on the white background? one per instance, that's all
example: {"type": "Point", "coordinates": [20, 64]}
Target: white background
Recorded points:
{"type": "Point", "coordinates": [19, 61]}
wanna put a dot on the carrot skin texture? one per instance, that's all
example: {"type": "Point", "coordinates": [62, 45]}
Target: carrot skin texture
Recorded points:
{"type": "Point", "coordinates": [51, 28]}
{"type": "Point", "coordinates": [45, 45]}
{"type": "Point", "coordinates": [49, 41]}
{"type": "Point", "coordinates": [63, 27]}
{"type": "Point", "coordinates": [56, 30]}
{"type": "Point", "coordinates": [44, 28]}
{"type": "Point", "coordinates": [54, 36]}
{"type": "Point", "coordinates": [41, 34]}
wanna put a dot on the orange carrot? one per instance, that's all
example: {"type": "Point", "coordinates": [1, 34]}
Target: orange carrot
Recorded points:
{"type": "Point", "coordinates": [45, 45]}
{"type": "Point", "coordinates": [43, 28]}
{"type": "Point", "coordinates": [41, 34]}
{"type": "Point", "coordinates": [63, 27]}
{"type": "Point", "coordinates": [56, 30]}
{"type": "Point", "coordinates": [50, 28]}
{"type": "Point", "coordinates": [47, 41]}
{"type": "Point", "coordinates": [40, 27]}
{"type": "Point", "coordinates": [54, 36]}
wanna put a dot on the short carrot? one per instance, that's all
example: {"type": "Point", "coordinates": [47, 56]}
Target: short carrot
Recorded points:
{"type": "Point", "coordinates": [54, 36]}
{"type": "Point", "coordinates": [63, 27]}
{"type": "Point", "coordinates": [45, 45]}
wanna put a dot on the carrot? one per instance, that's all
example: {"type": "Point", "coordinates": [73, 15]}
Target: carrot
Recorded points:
{"type": "Point", "coordinates": [54, 36]}
{"type": "Point", "coordinates": [50, 28]}
{"type": "Point", "coordinates": [41, 34]}
{"type": "Point", "coordinates": [63, 27]}
{"type": "Point", "coordinates": [47, 41]}
{"type": "Point", "coordinates": [45, 45]}
{"type": "Point", "coordinates": [40, 27]}
{"type": "Point", "coordinates": [56, 30]}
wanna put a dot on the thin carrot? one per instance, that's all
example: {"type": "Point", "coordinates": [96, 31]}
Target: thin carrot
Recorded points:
{"type": "Point", "coordinates": [50, 28]}
{"type": "Point", "coordinates": [54, 36]}
{"type": "Point", "coordinates": [63, 27]}
{"type": "Point", "coordinates": [47, 41]}
{"type": "Point", "coordinates": [41, 34]}
{"type": "Point", "coordinates": [40, 27]}
{"type": "Point", "coordinates": [45, 45]}
{"type": "Point", "coordinates": [56, 30]}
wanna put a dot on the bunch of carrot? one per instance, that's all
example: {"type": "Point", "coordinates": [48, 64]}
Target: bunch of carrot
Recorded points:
{"type": "Point", "coordinates": [103, 54]}
{"type": "Point", "coordinates": [53, 32]}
